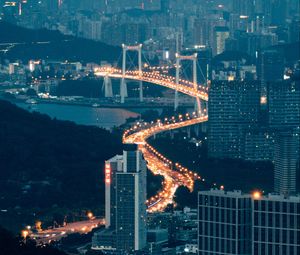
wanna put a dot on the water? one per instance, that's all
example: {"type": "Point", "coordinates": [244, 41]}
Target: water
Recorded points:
{"type": "Point", "coordinates": [101, 117]}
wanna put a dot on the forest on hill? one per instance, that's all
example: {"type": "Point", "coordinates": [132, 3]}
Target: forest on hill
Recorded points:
{"type": "Point", "coordinates": [52, 45]}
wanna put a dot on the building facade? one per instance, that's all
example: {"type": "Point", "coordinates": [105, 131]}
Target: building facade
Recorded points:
{"type": "Point", "coordinates": [236, 223]}
{"type": "Point", "coordinates": [125, 204]}
{"type": "Point", "coordinates": [285, 162]}
{"type": "Point", "coordinates": [276, 225]}
{"type": "Point", "coordinates": [232, 108]}
{"type": "Point", "coordinates": [224, 222]}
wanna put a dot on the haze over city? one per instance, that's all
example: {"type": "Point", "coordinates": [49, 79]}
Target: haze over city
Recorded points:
{"type": "Point", "coordinates": [149, 127]}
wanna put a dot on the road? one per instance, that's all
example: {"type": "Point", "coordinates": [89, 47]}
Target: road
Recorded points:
{"type": "Point", "coordinates": [184, 86]}
{"type": "Point", "coordinates": [174, 174]}
{"type": "Point", "coordinates": [55, 234]}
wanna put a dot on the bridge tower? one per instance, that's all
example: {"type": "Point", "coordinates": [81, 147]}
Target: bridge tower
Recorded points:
{"type": "Point", "coordinates": [108, 91]}
{"type": "Point", "coordinates": [123, 86]}
{"type": "Point", "coordinates": [192, 58]}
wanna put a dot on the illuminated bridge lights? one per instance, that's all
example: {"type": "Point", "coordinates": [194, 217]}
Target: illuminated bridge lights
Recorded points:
{"type": "Point", "coordinates": [174, 174]}
{"type": "Point", "coordinates": [184, 86]}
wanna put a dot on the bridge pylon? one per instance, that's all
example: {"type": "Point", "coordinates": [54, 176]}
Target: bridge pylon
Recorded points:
{"type": "Point", "coordinates": [123, 86]}
{"type": "Point", "coordinates": [108, 91]}
{"type": "Point", "coordinates": [192, 58]}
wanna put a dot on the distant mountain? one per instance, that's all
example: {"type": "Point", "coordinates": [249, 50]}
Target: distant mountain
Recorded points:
{"type": "Point", "coordinates": [46, 44]}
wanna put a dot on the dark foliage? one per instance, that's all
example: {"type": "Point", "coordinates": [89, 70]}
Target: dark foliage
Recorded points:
{"type": "Point", "coordinates": [48, 162]}
{"type": "Point", "coordinates": [154, 183]}
{"type": "Point", "coordinates": [55, 46]}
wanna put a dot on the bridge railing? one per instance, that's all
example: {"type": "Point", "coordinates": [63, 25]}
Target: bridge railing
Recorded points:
{"type": "Point", "coordinates": [155, 126]}
{"type": "Point", "coordinates": [156, 77]}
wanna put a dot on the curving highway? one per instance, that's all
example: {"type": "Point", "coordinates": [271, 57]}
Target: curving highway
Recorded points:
{"type": "Point", "coordinates": [174, 174]}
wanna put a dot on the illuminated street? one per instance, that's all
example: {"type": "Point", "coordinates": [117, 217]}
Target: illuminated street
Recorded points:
{"type": "Point", "coordinates": [174, 174]}
{"type": "Point", "coordinates": [55, 234]}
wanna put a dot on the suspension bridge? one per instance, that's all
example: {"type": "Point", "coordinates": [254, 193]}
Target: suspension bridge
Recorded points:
{"type": "Point", "coordinates": [175, 175]}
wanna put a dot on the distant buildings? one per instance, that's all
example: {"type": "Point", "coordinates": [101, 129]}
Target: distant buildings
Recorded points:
{"type": "Point", "coordinates": [173, 232]}
{"type": "Point", "coordinates": [236, 223]}
{"type": "Point", "coordinates": [244, 118]}
{"type": "Point", "coordinates": [258, 144]}
{"type": "Point", "coordinates": [125, 208]}
{"type": "Point", "coordinates": [284, 104]}
{"type": "Point", "coordinates": [232, 107]}
{"type": "Point", "coordinates": [285, 161]}
{"type": "Point", "coordinates": [221, 34]}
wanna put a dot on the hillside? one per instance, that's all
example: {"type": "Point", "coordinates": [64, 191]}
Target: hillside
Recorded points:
{"type": "Point", "coordinates": [51, 168]}
{"type": "Point", "coordinates": [46, 163]}
{"type": "Point", "coordinates": [45, 44]}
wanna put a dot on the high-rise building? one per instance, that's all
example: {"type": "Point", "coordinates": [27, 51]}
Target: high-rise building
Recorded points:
{"type": "Point", "coordinates": [276, 225]}
{"type": "Point", "coordinates": [130, 205]}
{"type": "Point", "coordinates": [284, 115]}
{"type": "Point", "coordinates": [232, 108]}
{"type": "Point", "coordinates": [224, 222]}
{"type": "Point", "coordinates": [259, 144]}
{"type": "Point", "coordinates": [243, 7]}
{"type": "Point", "coordinates": [279, 11]}
{"type": "Point", "coordinates": [236, 223]}
{"type": "Point", "coordinates": [221, 34]}
{"type": "Point", "coordinates": [285, 161]}
{"type": "Point", "coordinates": [284, 104]}
{"type": "Point", "coordinates": [125, 208]}
{"type": "Point", "coordinates": [270, 69]}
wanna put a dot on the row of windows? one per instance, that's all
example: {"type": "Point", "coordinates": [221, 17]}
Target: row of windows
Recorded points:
{"type": "Point", "coordinates": [224, 230]}
{"type": "Point", "coordinates": [228, 202]}
{"type": "Point", "coordinates": [277, 236]}
{"type": "Point", "coordinates": [275, 206]}
{"type": "Point", "coordinates": [259, 205]}
{"type": "Point", "coordinates": [224, 215]}
{"type": "Point", "coordinates": [223, 246]}
{"type": "Point", "coordinates": [273, 249]}
{"type": "Point", "coordinates": [276, 220]}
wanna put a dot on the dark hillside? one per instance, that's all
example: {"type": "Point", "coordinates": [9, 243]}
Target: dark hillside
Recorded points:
{"type": "Point", "coordinates": [45, 44]}
{"type": "Point", "coordinates": [45, 162]}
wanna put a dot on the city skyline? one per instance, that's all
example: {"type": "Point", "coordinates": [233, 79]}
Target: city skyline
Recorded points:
{"type": "Point", "coordinates": [150, 127]}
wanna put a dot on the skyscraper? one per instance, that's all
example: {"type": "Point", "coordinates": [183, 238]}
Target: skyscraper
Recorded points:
{"type": "Point", "coordinates": [233, 106]}
{"type": "Point", "coordinates": [125, 208]}
{"type": "Point", "coordinates": [236, 223]}
{"type": "Point", "coordinates": [130, 202]}
{"type": "Point", "coordinates": [276, 225]}
{"type": "Point", "coordinates": [284, 104]}
{"type": "Point", "coordinates": [243, 7]}
{"type": "Point", "coordinates": [284, 115]}
{"type": "Point", "coordinates": [285, 161]}
{"type": "Point", "coordinates": [224, 222]}
{"type": "Point", "coordinates": [221, 34]}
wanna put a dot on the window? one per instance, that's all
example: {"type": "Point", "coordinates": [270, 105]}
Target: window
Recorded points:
{"type": "Point", "coordinates": [263, 205]}
{"type": "Point", "coordinates": [292, 207]}
{"type": "Point", "coordinates": [284, 207]}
